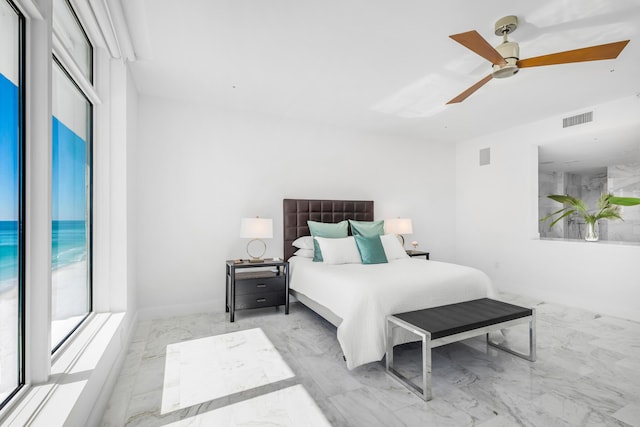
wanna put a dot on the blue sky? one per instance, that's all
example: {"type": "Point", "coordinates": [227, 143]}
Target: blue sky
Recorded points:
{"type": "Point", "coordinates": [8, 150]}
{"type": "Point", "coordinates": [69, 156]}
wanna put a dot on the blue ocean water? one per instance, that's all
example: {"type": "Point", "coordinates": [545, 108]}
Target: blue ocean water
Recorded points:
{"type": "Point", "coordinates": [69, 245]}
{"type": "Point", "coordinates": [8, 250]}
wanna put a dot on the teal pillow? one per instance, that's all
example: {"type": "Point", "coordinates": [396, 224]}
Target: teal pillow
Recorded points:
{"type": "Point", "coordinates": [367, 228]}
{"type": "Point", "coordinates": [371, 250]}
{"type": "Point", "coordinates": [325, 229]}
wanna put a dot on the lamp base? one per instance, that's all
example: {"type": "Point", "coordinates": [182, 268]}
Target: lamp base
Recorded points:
{"type": "Point", "coordinates": [256, 257]}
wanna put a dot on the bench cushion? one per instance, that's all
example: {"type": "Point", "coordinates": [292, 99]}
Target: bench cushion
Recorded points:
{"type": "Point", "coordinates": [464, 316]}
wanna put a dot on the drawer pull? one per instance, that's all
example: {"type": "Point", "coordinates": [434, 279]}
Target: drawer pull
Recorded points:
{"type": "Point", "coordinates": [261, 300]}
{"type": "Point", "coordinates": [261, 285]}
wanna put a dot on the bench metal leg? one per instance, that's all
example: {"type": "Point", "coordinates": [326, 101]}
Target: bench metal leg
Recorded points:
{"type": "Point", "coordinates": [389, 353]}
{"type": "Point", "coordinates": [426, 369]}
{"type": "Point", "coordinates": [532, 341]}
{"type": "Point", "coordinates": [425, 391]}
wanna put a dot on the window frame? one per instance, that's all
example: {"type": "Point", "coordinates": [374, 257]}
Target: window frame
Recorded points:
{"type": "Point", "coordinates": [90, 132]}
{"type": "Point", "coordinates": [74, 15]}
{"type": "Point", "coordinates": [21, 207]}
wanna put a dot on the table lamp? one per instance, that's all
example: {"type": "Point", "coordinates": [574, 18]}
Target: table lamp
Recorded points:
{"type": "Point", "coordinates": [256, 229]}
{"type": "Point", "coordinates": [398, 226]}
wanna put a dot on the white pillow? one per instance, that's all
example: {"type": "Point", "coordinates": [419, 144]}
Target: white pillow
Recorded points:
{"type": "Point", "coordinates": [339, 250]}
{"type": "Point", "coordinates": [304, 242]}
{"type": "Point", "coordinates": [304, 253]}
{"type": "Point", "coordinates": [392, 247]}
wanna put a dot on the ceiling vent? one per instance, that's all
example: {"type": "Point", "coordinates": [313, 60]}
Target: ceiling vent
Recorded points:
{"type": "Point", "coordinates": [577, 120]}
{"type": "Point", "coordinates": [485, 156]}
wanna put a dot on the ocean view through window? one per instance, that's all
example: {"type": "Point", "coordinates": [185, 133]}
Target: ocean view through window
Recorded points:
{"type": "Point", "coordinates": [11, 199]}
{"type": "Point", "coordinates": [70, 207]}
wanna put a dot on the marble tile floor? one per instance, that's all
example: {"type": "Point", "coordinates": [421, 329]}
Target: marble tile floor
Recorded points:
{"type": "Point", "coordinates": [227, 364]}
{"type": "Point", "coordinates": [587, 374]}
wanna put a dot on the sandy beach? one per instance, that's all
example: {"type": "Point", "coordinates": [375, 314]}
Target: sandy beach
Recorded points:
{"type": "Point", "coordinates": [69, 299]}
{"type": "Point", "coordinates": [69, 304]}
{"type": "Point", "coordinates": [8, 337]}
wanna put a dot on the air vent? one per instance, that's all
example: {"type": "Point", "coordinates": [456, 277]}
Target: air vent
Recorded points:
{"type": "Point", "coordinates": [485, 156]}
{"type": "Point", "coordinates": [577, 120]}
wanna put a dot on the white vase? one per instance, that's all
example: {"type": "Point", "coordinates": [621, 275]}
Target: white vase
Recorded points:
{"type": "Point", "coordinates": [592, 232]}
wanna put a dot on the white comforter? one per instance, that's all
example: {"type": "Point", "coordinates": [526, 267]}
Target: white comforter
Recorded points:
{"type": "Point", "coordinates": [363, 295]}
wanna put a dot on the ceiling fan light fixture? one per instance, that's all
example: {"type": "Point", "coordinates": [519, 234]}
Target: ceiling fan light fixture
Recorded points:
{"type": "Point", "coordinates": [501, 72]}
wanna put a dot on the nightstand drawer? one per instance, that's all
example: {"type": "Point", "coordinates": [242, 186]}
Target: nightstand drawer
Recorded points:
{"type": "Point", "coordinates": [260, 285]}
{"type": "Point", "coordinates": [258, 300]}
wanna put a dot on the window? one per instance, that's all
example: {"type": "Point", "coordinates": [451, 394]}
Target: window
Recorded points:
{"type": "Point", "coordinates": [586, 168]}
{"type": "Point", "coordinates": [11, 202]}
{"type": "Point", "coordinates": [71, 188]}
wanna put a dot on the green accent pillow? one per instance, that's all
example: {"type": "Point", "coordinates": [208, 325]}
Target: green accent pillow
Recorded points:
{"type": "Point", "coordinates": [325, 229]}
{"type": "Point", "coordinates": [371, 250]}
{"type": "Point", "coordinates": [367, 228]}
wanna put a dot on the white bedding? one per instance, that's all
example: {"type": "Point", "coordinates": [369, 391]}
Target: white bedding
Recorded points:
{"type": "Point", "coordinates": [363, 295]}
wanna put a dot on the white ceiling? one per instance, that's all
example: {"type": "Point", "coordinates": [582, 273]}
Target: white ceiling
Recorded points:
{"type": "Point", "coordinates": [380, 66]}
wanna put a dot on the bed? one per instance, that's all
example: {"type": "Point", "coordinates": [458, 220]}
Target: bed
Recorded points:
{"type": "Point", "coordinates": [356, 298]}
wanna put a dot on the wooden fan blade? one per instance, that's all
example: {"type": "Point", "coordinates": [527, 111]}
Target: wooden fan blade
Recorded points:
{"type": "Point", "coordinates": [464, 95]}
{"type": "Point", "coordinates": [475, 42]}
{"type": "Point", "coordinates": [593, 53]}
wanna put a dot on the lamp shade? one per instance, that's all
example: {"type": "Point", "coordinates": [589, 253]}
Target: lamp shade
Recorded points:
{"type": "Point", "coordinates": [398, 226]}
{"type": "Point", "coordinates": [256, 228]}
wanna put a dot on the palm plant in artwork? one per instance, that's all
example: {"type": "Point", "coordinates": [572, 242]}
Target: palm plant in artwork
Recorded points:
{"type": "Point", "coordinates": [608, 208]}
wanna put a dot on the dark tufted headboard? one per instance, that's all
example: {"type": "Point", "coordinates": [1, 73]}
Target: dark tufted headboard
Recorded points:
{"type": "Point", "coordinates": [296, 212]}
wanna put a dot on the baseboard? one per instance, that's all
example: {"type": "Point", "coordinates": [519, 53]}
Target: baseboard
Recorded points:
{"type": "Point", "coordinates": [210, 306]}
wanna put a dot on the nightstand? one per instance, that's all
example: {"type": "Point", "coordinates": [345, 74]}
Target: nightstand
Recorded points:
{"type": "Point", "coordinates": [256, 285]}
{"type": "Point", "coordinates": [413, 253]}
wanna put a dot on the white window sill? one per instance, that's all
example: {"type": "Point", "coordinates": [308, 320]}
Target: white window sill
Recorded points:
{"type": "Point", "coordinates": [83, 364]}
{"type": "Point", "coordinates": [599, 242]}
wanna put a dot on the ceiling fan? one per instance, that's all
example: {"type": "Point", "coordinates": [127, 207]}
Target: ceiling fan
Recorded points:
{"type": "Point", "coordinates": [505, 57]}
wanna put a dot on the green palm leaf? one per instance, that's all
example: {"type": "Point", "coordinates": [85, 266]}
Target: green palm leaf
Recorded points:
{"type": "Point", "coordinates": [569, 200]}
{"type": "Point", "coordinates": [610, 212]}
{"type": "Point", "coordinates": [564, 199]}
{"type": "Point", "coordinates": [624, 201]}
{"type": "Point", "coordinates": [552, 214]}
{"type": "Point", "coordinates": [567, 213]}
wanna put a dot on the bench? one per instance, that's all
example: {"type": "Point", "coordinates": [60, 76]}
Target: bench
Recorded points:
{"type": "Point", "coordinates": [455, 322]}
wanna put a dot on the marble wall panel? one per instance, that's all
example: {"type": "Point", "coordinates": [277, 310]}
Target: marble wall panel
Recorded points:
{"type": "Point", "coordinates": [624, 180]}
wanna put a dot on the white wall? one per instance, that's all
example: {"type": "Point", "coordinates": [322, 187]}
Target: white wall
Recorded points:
{"type": "Point", "coordinates": [496, 221]}
{"type": "Point", "coordinates": [132, 136]}
{"type": "Point", "coordinates": [201, 170]}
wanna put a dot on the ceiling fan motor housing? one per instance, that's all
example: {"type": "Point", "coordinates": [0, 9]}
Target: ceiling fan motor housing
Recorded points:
{"type": "Point", "coordinates": [510, 51]}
